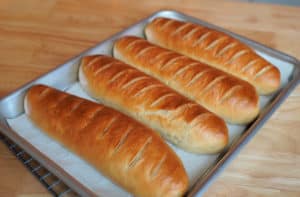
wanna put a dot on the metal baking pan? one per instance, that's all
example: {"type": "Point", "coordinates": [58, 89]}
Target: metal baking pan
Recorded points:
{"type": "Point", "coordinates": [65, 78]}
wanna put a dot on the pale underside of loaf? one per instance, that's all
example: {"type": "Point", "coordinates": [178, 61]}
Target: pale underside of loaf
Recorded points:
{"type": "Point", "coordinates": [130, 154]}
{"type": "Point", "coordinates": [217, 49]}
{"type": "Point", "coordinates": [227, 96]}
{"type": "Point", "coordinates": [178, 119]}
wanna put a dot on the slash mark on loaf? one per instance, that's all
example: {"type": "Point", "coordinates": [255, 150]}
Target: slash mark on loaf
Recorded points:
{"type": "Point", "coordinates": [181, 109]}
{"type": "Point", "coordinates": [123, 139]}
{"type": "Point", "coordinates": [134, 80]}
{"type": "Point", "coordinates": [139, 154]}
{"type": "Point", "coordinates": [94, 60]}
{"type": "Point", "coordinates": [263, 71]}
{"type": "Point", "coordinates": [143, 90]}
{"type": "Point", "coordinates": [164, 26]}
{"type": "Point", "coordinates": [184, 68]}
{"type": "Point", "coordinates": [237, 55]}
{"type": "Point", "coordinates": [134, 42]}
{"type": "Point", "coordinates": [144, 51]}
{"type": "Point", "coordinates": [60, 99]}
{"type": "Point", "coordinates": [92, 117]}
{"type": "Point", "coordinates": [214, 43]}
{"type": "Point", "coordinates": [198, 76]}
{"type": "Point", "coordinates": [108, 126]}
{"type": "Point", "coordinates": [226, 48]}
{"type": "Point", "coordinates": [44, 92]}
{"type": "Point", "coordinates": [171, 61]}
{"type": "Point", "coordinates": [75, 107]}
{"type": "Point", "coordinates": [249, 65]}
{"type": "Point", "coordinates": [182, 27]}
{"type": "Point", "coordinates": [103, 67]}
{"type": "Point", "coordinates": [161, 56]}
{"type": "Point", "coordinates": [201, 39]}
{"type": "Point", "coordinates": [212, 83]}
{"type": "Point", "coordinates": [119, 74]}
{"type": "Point", "coordinates": [162, 98]}
{"type": "Point", "coordinates": [156, 169]}
{"type": "Point", "coordinates": [189, 34]}
{"type": "Point", "coordinates": [229, 93]}
{"type": "Point", "coordinates": [199, 118]}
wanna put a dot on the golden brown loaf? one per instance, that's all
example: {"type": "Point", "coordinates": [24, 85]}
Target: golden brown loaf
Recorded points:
{"type": "Point", "coordinates": [179, 120]}
{"type": "Point", "coordinates": [217, 49]}
{"type": "Point", "coordinates": [127, 152]}
{"type": "Point", "coordinates": [233, 99]}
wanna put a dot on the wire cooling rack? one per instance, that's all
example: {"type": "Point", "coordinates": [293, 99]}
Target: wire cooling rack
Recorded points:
{"type": "Point", "coordinates": [53, 184]}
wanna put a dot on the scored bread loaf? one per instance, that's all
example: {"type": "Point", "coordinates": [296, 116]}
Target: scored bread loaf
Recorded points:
{"type": "Point", "coordinates": [178, 119]}
{"type": "Point", "coordinates": [231, 98]}
{"type": "Point", "coordinates": [127, 152]}
{"type": "Point", "coordinates": [216, 49]}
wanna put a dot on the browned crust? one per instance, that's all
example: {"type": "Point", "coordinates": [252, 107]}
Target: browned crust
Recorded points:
{"type": "Point", "coordinates": [233, 99]}
{"type": "Point", "coordinates": [217, 49]}
{"type": "Point", "coordinates": [127, 152]}
{"type": "Point", "coordinates": [180, 120]}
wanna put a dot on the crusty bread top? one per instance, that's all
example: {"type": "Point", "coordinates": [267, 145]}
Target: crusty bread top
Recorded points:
{"type": "Point", "coordinates": [217, 49]}
{"type": "Point", "coordinates": [129, 153]}
{"type": "Point", "coordinates": [180, 120]}
{"type": "Point", "coordinates": [233, 99]}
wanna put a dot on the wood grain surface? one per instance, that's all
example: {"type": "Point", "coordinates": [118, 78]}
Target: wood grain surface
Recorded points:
{"type": "Point", "coordinates": [38, 35]}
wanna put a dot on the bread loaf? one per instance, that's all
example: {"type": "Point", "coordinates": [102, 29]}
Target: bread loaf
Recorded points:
{"type": "Point", "coordinates": [178, 119]}
{"type": "Point", "coordinates": [130, 154]}
{"type": "Point", "coordinates": [217, 49]}
{"type": "Point", "coordinates": [233, 99]}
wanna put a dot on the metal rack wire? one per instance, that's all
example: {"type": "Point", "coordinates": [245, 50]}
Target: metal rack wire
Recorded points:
{"type": "Point", "coordinates": [53, 184]}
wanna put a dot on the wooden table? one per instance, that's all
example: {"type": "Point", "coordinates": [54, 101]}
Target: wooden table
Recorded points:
{"type": "Point", "coordinates": [38, 35]}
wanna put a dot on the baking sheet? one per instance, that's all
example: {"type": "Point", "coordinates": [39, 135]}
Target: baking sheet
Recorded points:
{"type": "Point", "coordinates": [196, 165]}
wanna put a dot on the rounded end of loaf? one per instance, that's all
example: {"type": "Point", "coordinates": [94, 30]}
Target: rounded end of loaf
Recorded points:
{"type": "Point", "coordinates": [269, 81]}
{"type": "Point", "coordinates": [148, 32]}
{"type": "Point", "coordinates": [209, 138]}
{"type": "Point", "coordinates": [31, 95]}
{"type": "Point", "coordinates": [242, 106]}
{"type": "Point", "coordinates": [26, 105]}
{"type": "Point", "coordinates": [125, 42]}
{"type": "Point", "coordinates": [247, 110]}
{"type": "Point", "coordinates": [116, 52]}
{"type": "Point", "coordinates": [82, 76]}
{"type": "Point", "coordinates": [153, 33]}
{"type": "Point", "coordinates": [117, 48]}
{"type": "Point", "coordinates": [245, 116]}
